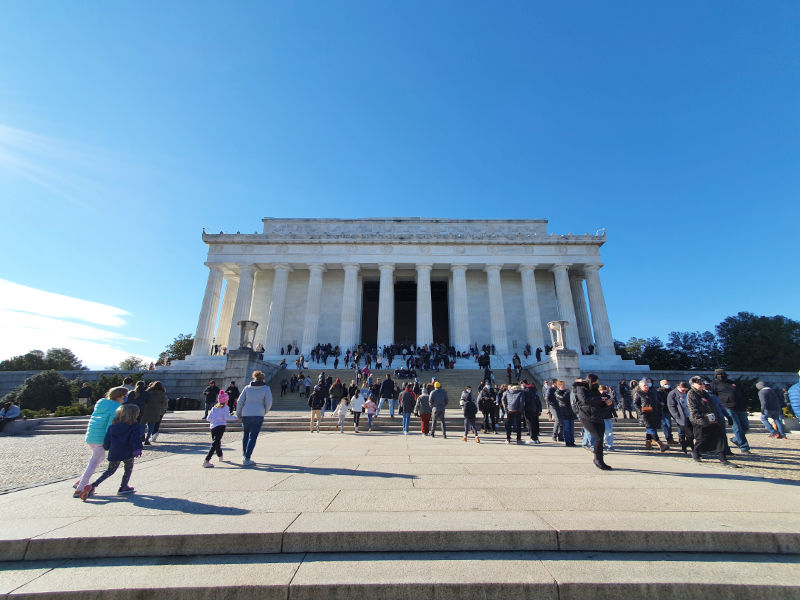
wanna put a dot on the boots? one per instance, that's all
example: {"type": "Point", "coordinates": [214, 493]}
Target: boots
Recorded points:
{"type": "Point", "coordinates": [661, 445]}
{"type": "Point", "coordinates": [682, 441]}
{"type": "Point", "coordinates": [599, 462]}
{"type": "Point", "coordinates": [648, 444]}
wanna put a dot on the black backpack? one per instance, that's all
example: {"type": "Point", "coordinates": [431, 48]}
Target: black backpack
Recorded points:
{"type": "Point", "coordinates": [470, 409]}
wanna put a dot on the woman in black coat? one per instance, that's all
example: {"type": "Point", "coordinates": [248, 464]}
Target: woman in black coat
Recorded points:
{"type": "Point", "coordinates": [649, 409]}
{"type": "Point", "coordinates": [592, 410]}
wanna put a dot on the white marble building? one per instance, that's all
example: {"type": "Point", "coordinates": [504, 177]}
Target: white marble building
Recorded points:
{"type": "Point", "coordinates": [404, 280]}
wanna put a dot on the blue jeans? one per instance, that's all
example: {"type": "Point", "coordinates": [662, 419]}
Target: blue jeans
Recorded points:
{"type": "Point", "coordinates": [568, 429]}
{"type": "Point", "coordinates": [587, 439]}
{"type": "Point", "coordinates": [391, 405]}
{"type": "Point", "coordinates": [666, 426]}
{"type": "Point", "coordinates": [406, 421]}
{"type": "Point", "coordinates": [608, 436]}
{"type": "Point", "coordinates": [778, 418]}
{"type": "Point", "coordinates": [251, 427]}
{"type": "Point", "coordinates": [740, 426]}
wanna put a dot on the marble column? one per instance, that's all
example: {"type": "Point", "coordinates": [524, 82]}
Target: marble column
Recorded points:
{"type": "Point", "coordinates": [228, 300]}
{"type": "Point", "coordinates": [276, 309]}
{"type": "Point", "coordinates": [208, 313]}
{"type": "Point", "coordinates": [603, 340]}
{"type": "Point", "coordinates": [244, 299]}
{"type": "Point", "coordinates": [581, 312]}
{"type": "Point", "coordinates": [497, 314]}
{"type": "Point", "coordinates": [533, 315]}
{"type": "Point", "coordinates": [424, 306]}
{"type": "Point", "coordinates": [566, 309]}
{"type": "Point", "coordinates": [386, 306]}
{"type": "Point", "coordinates": [348, 332]}
{"type": "Point", "coordinates": [460, 324]}
{"type": "Point", "coordinates": [313, 304]}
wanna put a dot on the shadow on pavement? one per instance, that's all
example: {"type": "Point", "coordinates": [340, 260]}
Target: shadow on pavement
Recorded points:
{"type": "Point", "coordinates": [151, 502]}
{"type": "Point", "coordinates": [306, 470]}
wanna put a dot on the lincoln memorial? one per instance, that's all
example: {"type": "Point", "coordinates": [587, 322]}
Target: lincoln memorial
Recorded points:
{"type": "Point", "coordinates": [404, 280]}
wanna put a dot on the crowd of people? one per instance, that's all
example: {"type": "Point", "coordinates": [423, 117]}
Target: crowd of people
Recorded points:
{"type": "Point", "coordinates": [128, 417]}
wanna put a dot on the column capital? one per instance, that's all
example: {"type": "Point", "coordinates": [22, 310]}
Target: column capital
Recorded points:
{"type": "Point", "coordinates": [556, 268]}
{"type": "Point", "coordinates": [423, 266]}
{"type": "Point", "coordinates": [317, 267]}
{"type": "Point", "coordinates": [577, 276]}
{"type": "Point", "coordinates": [351, 267]}
{"type": "Point", "coordinates": [282, 267]}
{"type": "Point", "coordinates": [215, 266]}
{"type": "Point", "coordinates": [523, 268]}
{"type": "Point", "coordinates": [490, 268]}
{"type": "Point", "coordinates": [386, 267]}
{"type": "Point", "coordinates": [592, 267]}
{"type": "Point", "coordinates": [458, 267]}
{"type": "Point", "coordinates": [247, 268]}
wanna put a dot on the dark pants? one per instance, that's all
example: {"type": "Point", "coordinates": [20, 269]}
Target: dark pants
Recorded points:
{"type": "Point", "coordinates": [514, 418]}
{"type": "Point", "coordinates": [251, 427]}
{"type": "Point", "coordinates": [209, 406]}
{"type": "Point", "coordinates": [112, 468]}
{"type": "Point", "coordinates": [533, 425]}
{"type": "Point", "coordinates": [356, 418]}
{"type": "Point", "coordinates": [597, 429]}
{"type": "Point", "coordinates": [438, 415]}
{"type": "Point", "coordinates": [489, 422]}
{"type": "Point", "coordinates": [469, 424]}
{"type": "Point", "coordinates": [216, 442]}
{"type": "Point", "coordinates": [709, 438]}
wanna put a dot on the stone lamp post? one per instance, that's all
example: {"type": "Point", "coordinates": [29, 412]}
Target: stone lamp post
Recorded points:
{"type": "Point", "coordinates": [247, 334]}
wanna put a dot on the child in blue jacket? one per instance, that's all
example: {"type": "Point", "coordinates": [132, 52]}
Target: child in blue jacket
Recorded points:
{"type": "Point", "coordinates": [124, 442]}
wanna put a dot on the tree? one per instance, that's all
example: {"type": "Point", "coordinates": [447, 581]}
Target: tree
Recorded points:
{"type": "Point", "coordinates": [695, 350]}
{"type": "Point", "coordinates": [48, 389]}
{"type": "Point", "coordinates": [757, 343]}
{"type": "Point", "coordinates": [179, 349]}
{"type": "Point", "coordinates": [63, 359]}
{"type": "Point", "coordinates": [132, 363]}
{"type": "Point", "coordinates": [32, 361]}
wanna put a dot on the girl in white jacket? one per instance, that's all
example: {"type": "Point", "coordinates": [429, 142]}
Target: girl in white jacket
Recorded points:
{"type": "Point", "coordinates": [341, 412]}
{"type": "Point", "coordinates": [356, 407]}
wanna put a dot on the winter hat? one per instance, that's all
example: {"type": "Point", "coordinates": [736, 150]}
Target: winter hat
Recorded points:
{"type": "Point", "coordinates": [719, 372]}
{"type": "Point", "coordinates": [760, 385]}
{"type": "Point", "coordinates": [437, 385]}
{"type": "Point", "coordinates": [222, 397]}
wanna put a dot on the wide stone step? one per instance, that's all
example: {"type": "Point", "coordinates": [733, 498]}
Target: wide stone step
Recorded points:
{"type": "Point", "coordinates": [421, 576]}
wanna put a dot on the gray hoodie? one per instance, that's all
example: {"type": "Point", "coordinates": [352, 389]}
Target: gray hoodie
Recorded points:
{"type": "Point", "coordinates": [438, 399]}
{"type": "Point", "coordinates": [255, 400]}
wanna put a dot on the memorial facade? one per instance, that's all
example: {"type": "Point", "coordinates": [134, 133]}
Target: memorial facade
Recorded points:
{"type": "Point", "coordinates": [404, 280]}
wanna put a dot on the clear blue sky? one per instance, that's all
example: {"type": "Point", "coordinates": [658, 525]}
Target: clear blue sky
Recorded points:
{"type": "Point", "coordinates": [125, 128]}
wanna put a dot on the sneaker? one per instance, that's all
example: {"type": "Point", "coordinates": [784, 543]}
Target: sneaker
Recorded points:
{"type": "Point", "coordinates": [125, 490]}
{"type": "Point", "coordinates": [154, 437]}
{"type": "Point", "coordinates": [207, 464]}
{"type": "Point", "coordinates": [734, 442]}
{"type": "Point", "coordinates": [530, 442]}
{"type": "Point", "coordinates": [248, 462]}
{"type": "Point", "coordinates": [86, 492]}
{"type": "Point", "coordinates": [147, 443]}
{"type": "Point", "coordinates": [508, 441]}
{"type": "Point", "coordinates": [774, 435]}
{"type": "Point", "coordinates": [464, 439]}
{"type": "Point", "coordinates": [536, 441]}
{"type": "Point", "coordinates": [745, 451]}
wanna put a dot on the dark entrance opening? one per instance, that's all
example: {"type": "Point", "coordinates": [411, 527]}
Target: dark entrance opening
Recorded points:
{"type": "Point", "coordinates": [405, 312]}
{"type": "Point", "coordinates": [441, 316]}
{"type": "Point", "coordinates": [369, 312]}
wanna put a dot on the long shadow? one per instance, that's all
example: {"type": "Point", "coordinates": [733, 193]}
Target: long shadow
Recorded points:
{"type": "Point", "coordinates": [307, 470]}
{"type": "Point", "coordinates": [183, 505]}
{"type": "Point", "coordinates": [728, 476]}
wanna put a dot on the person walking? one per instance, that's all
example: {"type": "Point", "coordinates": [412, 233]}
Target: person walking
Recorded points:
{"type": "Point", "coordinates": [356, 408]}
{"type": "Point", "coordinates": [625, 399]}
{"type": "Point", "coordinates": [563, 402]}
{"type": "Point", "coordinates": [593, 409]}
{"type": "Point", "coordinates": [423, 409]}
{"type": "Point", "coordinates": [211, 397]}
{"type": "Point", "coordinates": [155, 407]}
{"type": "Point", "coordinates": [470, 409]}
{"type": "Point", "coordinates": [85, 395]}
{"type": "Point", "coordinates": [486, 404]}
{"type": "Point", "coordinates": [533, 408]}
{"type": "Point", "coordinates": [679, 409]}
{"type": "Point", "coordinates": [666, 421]}
{"type": "Point", "coordinates": [140, 397]}
{"type": "Point", "coordinates": [104, 411]}
{"type": "Point", "coordinates": [608, 437]}
{"type": "Point", "coordinates": [254, 403]}
{"type": "Point", "coordinates": [218, 419]}
{"type": "Point", "coordinates": [734, 406]}
{"type": "Point", "coordinates": [370, 408]}
{"type": "Point", "coordinates": [387, 394]}
{"type": "Point", "coordinates": [649, 410]}
{"type": "Point", "coordinates": [438, 400]}
{"type": "Point", "coordinates": [514, 403]}
{"type": "Point", "coordinates": [706, 422]}
{"type": "Point", "coordinates": [233, 396]}
{"type": "Point", "coordinates": [340, 412]}
{"type": "Point", "coordinates": [407, 403]}
{"type": "Point", "coordinates": [124, 442]}
{"type": "Point", "coordinates": [316, 403]}
{"type": "Point", "coordinates": [771, 407]}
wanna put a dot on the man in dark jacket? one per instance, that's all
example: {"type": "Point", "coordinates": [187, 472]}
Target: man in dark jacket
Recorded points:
{"type": "Point", "coordinates": [666, 421]}
{"type": "Point", "coordinates": [679, 409]}
{"type": "Point", "coordinates": [438, 400]}
{"type": "Point", "coordinates": [387, 394]}
{"type": "Point", "coordinates": [407, 403]}
{"type": "Point", "coordinates": [210, 393]}
{"type": "Point", "coordinates": [316, 402]}
{"type": "Point", "coordinates": [233, 396]}
{"type": "Point", "coordinates": [734, 406]}
{"type": "Point", "coordinates": [533, 408]}
{"type": "Point", "coordinates": [514, 403]}
{"type": "Point", "coordinates": [706, 422]}
{"type": "Point", "coordinates": [771, 407]}
{"type": "Point", "coordinates": [593, 409]}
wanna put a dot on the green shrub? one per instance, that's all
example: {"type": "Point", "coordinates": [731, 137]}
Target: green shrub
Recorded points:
{"type": "Point", "coordinates": [106, 382]}
{"type": "Point", "coordinates": [47, 389]}
{"type": "Point", "coordinates": [73, 410]}
{"type": "Point", "coordinates": [34, 414]}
